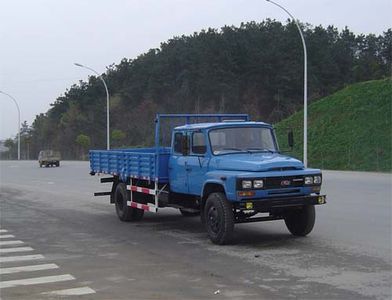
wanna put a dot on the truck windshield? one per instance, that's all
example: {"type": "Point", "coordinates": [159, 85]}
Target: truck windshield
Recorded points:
{"type": "Point", "coordinates": [242, 139]}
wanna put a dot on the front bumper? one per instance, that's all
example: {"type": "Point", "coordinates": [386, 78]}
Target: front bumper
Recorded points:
{"type": "Point", "coordinates": [265, 205]}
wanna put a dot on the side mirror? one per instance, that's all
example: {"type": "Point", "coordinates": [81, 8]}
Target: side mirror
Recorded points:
{"type": "Point", "coordinates": [185, 145]}
{"type": "Point", "coordinates": [290, 139]}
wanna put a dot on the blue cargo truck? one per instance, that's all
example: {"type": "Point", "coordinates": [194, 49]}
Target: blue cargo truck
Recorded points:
{"type": "Point", "coordinates": [224, 167]}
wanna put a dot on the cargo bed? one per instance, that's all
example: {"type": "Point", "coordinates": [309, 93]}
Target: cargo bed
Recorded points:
{"type": "Point", "coordinates": [142, 163]}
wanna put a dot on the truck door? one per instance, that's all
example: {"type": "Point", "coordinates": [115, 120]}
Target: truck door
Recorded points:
{"type": "Point", "coordinates": [178, 164]}
{"type": "Point", "coordinates": [196, 165]}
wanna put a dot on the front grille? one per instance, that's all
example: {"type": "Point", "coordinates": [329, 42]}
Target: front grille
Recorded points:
{"type": "Point", "coordinates": [283, 182]}
{"type": "Point", "coordinates": [283, 169]}
{"type": "Point", "coordinates": [289, 191]}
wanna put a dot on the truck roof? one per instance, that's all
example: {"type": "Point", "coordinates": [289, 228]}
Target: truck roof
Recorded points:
{"type": "Point", "coordinates": [220, 124]}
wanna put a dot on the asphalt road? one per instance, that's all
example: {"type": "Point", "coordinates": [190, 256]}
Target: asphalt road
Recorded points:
{"type": "Point", "coordinates": [73, 245]}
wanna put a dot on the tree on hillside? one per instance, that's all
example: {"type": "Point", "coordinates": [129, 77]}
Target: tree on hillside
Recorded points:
{"type": "Point", "coordinates": [12, 148]}
{"type": "Point", "coordinates": [118, 136]}
{"type": "Point", "coordinates": [84, 143]}
{"type": "Point", "coordinates": [25, 140]}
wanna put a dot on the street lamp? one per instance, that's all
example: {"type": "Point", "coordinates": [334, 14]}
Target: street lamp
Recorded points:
{"type": "Point", "coordinates": [17, 106]}
{"type": "Point", "coordinates": [107, 103]}
{"type": "Point", "coordinates": [305, 84]}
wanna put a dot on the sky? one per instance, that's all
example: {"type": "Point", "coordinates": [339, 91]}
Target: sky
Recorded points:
{"type": "Point", "coordinates": [41, 39]}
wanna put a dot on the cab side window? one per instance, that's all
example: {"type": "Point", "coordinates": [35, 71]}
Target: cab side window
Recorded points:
{"type": "Point", "coordinates": [198, 143]}
{"type": "Point", "coordinates": [178, 142]}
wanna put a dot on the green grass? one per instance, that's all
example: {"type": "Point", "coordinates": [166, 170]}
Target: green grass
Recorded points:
{"type": "Point", "coordinates": [348, 130]}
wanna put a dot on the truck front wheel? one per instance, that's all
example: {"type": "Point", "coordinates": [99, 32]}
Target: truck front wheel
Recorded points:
{"type": "Point", "coordinates": [219, 218]}
{"type": "Point", "coordinates": [300, 222]}
{"type": "Point", "coordinates": [124, 212]}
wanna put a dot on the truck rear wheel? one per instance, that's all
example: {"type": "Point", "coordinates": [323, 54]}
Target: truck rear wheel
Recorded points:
{"type": "Point", "coordinates": [124, 212]}
{"type": "Point", "coordinates": [300, 222]}
{"type": "Point", "coordinates": [219, 218]}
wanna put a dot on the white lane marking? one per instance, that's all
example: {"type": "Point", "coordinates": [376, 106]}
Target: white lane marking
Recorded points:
{"type": "Point", "coordinates": [3, 243]}
{"type": "Point", "coordinates": [21, 258]}
{"type": "Point", "coordinates": [17, 249]}
{"type": "Point", "coordinates": [28, 268]}
{"type": "Point", "coordinates": [3, 230]}
{"type": "Point", "coordinates": [35, 280]}
{"type": "Point", "coordinates": [72, 292]}
{"type": "Point", "coordinates": [6, 236]}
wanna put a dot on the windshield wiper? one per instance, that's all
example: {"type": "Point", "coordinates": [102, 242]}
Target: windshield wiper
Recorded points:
{"type": "Point", "coordinates": [233, 149]}
{"type": "Point", "coordinates": [255, 149]}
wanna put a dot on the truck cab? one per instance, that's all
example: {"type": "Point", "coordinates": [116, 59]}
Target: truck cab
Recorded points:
{"type": "Point", "coordinates": [234, 155]}
{"type": "Point", "coordinates": [229, 171]}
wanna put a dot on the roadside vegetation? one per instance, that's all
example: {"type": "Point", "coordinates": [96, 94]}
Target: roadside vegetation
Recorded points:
{"type": "Point", "coordinates": [255, 68]}
{"type": "Point", "coordinates": [348, 130]}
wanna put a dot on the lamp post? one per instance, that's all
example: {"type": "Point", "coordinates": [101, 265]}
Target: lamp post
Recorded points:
{"type": "Point", "coordinates": [107, 103]}
{"type": "Point", "coordinates": [305, 84]}
{"type": "Point", "coordinates": [17, 106]}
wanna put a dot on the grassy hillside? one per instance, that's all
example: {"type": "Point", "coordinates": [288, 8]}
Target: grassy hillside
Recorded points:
{"type": "Point", "coordinates": [348, 130]}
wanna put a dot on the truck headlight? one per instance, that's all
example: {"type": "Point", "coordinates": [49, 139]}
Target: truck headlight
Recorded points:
{"type": "Point", "coordinates": [258, 183]}
{"type": "Point", "coordinates": [317, 179]}
{"type": "Point", "coordinates": [246, 184]}
{"type": "Point", "coordinates": [308, 179]}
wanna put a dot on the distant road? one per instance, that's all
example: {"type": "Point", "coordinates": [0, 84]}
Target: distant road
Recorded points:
{"type": "Point", "coordinates": [57, 239]}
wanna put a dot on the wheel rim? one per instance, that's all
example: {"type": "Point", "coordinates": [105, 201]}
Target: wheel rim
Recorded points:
{"type": "Point", "coordinates": [213, 219]}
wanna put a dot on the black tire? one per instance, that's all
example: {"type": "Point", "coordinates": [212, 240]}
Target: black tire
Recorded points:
{"type": "Point", "coordinates": [124, 212]}
{"type": "Point", "coordinates": [40, 165]}
{"type": "Point", "coordinates": [300, 222]}
{"type": "Point", "coordinates": [219, 218]}
{"type": "Point", "coordinates": [187, 213]}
